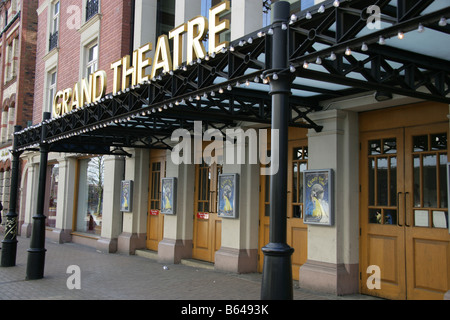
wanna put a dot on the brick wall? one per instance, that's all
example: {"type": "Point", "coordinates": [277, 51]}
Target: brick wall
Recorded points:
{"type": "Point", "coordinates": [114, 43]}
{"type": "Point", "coordinates": [41, 50]}
{"type": "Point", "coordinates": [27, 65]}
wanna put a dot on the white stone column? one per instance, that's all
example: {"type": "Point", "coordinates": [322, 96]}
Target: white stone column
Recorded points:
{"type": "Point", "coordinates": [145, 23]}
{"type": "Point", "coordinates": [239, 249]}
{"type": "Point", "coordinates": [134, 230]}
{"type": "Point", "coordinates": [179, 228]}
{"type": "Point", "coordinates": [333, 258]}
{"type": "Point", "coordinates": [31, 197]}
{"type": "Point", "coordinates": [66, 198]}
{"type": "Point", "coordinates": [112, 216]}
{"type": "Point", "coordinates": [185, 10]}
{"type": "Point", "coordinates": [246, 17]}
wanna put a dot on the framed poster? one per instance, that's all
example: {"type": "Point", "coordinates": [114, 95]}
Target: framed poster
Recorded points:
{"type": "Point", "coordinates": [228, 204]}
{"type": "Point", "coordinates": [318, 197]}
{"type": "Point", "coordinates": [126, 196]}
{"type": "Point", "coordinates": [168, 195]}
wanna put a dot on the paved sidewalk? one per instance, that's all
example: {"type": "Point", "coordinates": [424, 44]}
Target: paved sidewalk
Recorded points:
{"type": "Point", "coordinates": [123, 277]}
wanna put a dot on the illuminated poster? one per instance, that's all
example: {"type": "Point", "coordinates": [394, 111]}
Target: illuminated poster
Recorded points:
{"type": "Point", "coordinates": [318, 191]}
{"type": "Point", "coordinates": [168, 196]}
{"type": "Point", "coordinates": [227, 196]}
{"type": "Point", "coordinates": [126, 196]}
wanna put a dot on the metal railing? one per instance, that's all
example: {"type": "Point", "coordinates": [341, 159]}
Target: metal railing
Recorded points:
{"type": "Point", "coordinates": [92, 7]}
{"type": "Point", "coordinates": [53, 41]}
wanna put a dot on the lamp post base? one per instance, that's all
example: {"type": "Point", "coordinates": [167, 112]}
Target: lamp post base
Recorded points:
{"type": "Point", "coordinates": [9, 250]}
{"type": "Point", "coordinates": [36, 263]}
{"type": "Point", "coordinates": [277, 283]}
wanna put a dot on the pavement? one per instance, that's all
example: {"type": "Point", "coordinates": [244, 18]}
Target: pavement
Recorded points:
{"type": "Point", "coordinates": [103, 276]}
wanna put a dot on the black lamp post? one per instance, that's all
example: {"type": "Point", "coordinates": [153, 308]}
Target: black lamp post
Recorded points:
{"type": "Point", "coordinates": [277, 271]}
{"type": "Point", "coordinates": [36, 252]}
{"type": "Point", "coordinates": [9, 244]}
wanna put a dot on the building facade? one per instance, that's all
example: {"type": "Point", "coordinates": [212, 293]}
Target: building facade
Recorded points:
{"type": "Point", "coordinates": [374, 173]}
{"type": "Point", "coordinates": [18, 24]}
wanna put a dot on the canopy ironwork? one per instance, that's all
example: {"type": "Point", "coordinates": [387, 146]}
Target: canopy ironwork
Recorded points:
{"type": "Point", "coordinates": [334, 52]}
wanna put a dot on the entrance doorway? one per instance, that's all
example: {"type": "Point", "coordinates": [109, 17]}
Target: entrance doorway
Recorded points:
{"type": "Point", "coordinates": [404, 205]}
{"type": "Point", "coordinates": [297, 231]}
{"type": "Point", "coordinates": [155, 220]}
{"type": "Point", "coordinates": [207, 224]}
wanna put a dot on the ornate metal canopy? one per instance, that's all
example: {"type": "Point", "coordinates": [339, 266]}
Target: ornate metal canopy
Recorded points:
{"type": "Point", "coordinates": [333, 54]}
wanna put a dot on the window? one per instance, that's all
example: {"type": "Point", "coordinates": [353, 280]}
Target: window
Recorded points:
{"type": "Point", "coordinates": [51, 89]}
{"type": "Point", "coordinates": [165, 16]}
{"type": "Point", "coordinates": [90, 195]}
{"type": "Point", "coordinates": [54, 28]}
{"type": "Point", "coordinates": [92, 59]}
{"type": "Point", "coordinates": [92, 7]}
{"type": "Point", "coordinates": [208, 4]}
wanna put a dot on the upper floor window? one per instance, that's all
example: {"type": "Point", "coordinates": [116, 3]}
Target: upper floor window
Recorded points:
{"type": "Point", "coordinates": [208, 4]}
{"type": "Point", "coordinates": [51, 88]}
{"type": "Point", "coordinates": [54, 28]}
{"type": "Point", "coordinates": [165, 16]}
{"type": "Point", "coordinates": [92, 59]}
{"type": "Point", "coordinates": [92, 8]}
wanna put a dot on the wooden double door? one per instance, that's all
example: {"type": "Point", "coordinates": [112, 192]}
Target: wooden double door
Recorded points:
{"type": "Point", "coordinates": [207, 237]}
{"type": "Point", "coordinates": [297, 231]}
{"type": "Point", "coordinates": [404, 211]}
{"type": "Point", "coordinates": [155, 220]}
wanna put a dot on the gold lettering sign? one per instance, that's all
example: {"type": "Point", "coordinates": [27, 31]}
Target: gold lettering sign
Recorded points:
{"type": "Point", "coordinates": [130, 70]}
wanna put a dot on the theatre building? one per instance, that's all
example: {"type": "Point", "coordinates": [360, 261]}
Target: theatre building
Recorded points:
{"type": "Point", "coordinates": [18, 25]}
{"type": "Point", "coordinates": [161, 120]}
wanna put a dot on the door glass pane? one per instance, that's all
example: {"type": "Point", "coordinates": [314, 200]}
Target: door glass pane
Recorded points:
{"type": "Point", "coordinates": [421, 218]}
{"type": "Point", "coordinates": [297, 211]}
{"type": "Point", "coordinates": [382, 181]}
{"type": "Point", "coordinates": [294, 182]}
{"type": "Point", "coordinates": [416, 181]}
{"type": "Point", "coordinates": [393, 181]}
{"type": "Point", "coordinates": [440, 219]}
{"type": "Point", "coordinates": [429, 181]}
{"type": "Point", "coordinates": [374, 147]}
{"type": "Point", "coordinates": [439, 141]}
{"type": "Point", "coordinates": [443, 181]}
{"type": "Point", "coordinates": [390, 217]}
{"type": "Point", "coordinates": [390, 146]}
{"type": "Point", "coordinates": [90, 195]}
{"type": "Point", "coordinates": [420, 143]}
{"type": "Point", "coordinates": [371, 182]}
{"type": "Point", "coordinates": [375, 216]}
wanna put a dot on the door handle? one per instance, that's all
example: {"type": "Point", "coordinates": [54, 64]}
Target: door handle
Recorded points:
{"type": "Point", "coordinates": [406, 212]}
{"type": "Point", "coordinates": [398, 209]}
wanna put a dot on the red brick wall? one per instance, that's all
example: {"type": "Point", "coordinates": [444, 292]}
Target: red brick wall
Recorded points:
{"type": "Point", "coordinates": [27, 65]}
{"type": "Point", "coordinates": [114, 43]}
{"type": "Point", "coordinates": [41, 50]}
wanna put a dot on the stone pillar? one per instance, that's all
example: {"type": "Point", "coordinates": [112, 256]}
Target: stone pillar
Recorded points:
{"type": "Point", "coordinates": [112, 216]}
{"type": "Point", "coordinates": [179, 228]}
{"type": "Point", "coordinates": [185, 10]}
{"type": "Point", "coordinates": [66, 198]}
{"type": "Point", "coordinates": [239, 250]}
{"type": "Point", "coordinates": [31, 197]}
{"type": "Point", "coordinates": [134, 230]}
{"type": "Point", "coordinates": [144, 23]}
{"type": "Point", "coordinates": [333, 258]}
{"type": "Point", "coordinates": [243, 18]}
